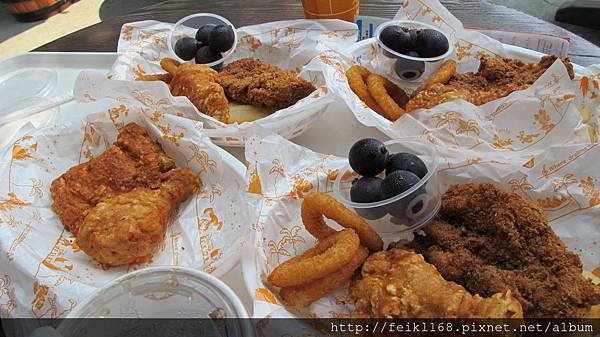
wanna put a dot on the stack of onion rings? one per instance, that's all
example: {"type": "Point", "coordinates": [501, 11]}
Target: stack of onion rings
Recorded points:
{"type": "Point", "coordinates": [338, 254]}
{"type": "Point", "coordinates": [324, 259]}
{"type": "Point", "coordinates": [377, 92]}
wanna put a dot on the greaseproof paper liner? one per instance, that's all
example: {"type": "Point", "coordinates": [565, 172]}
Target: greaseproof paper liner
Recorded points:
{"type": "Point", "coordinates": [287, 44]}
{"type": "Point", "coordinates": [468, 47]}
{"type": "Point", "coordinates": [563, 179]}
{"type": "Point", "coordinates": [43, 273]}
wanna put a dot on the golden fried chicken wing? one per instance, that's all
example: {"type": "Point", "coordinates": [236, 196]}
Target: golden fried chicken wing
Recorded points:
{"type": "Point", "coordinates": [399, 284]}
{"type": "Point", "coordinates": [127, 228]}
{"type": "Point", "coordinates": [497, 77]}
{"type": "Point", "coordinates": [250, 81]}
{"type": "Point", "coordinates": [490, 240]}
{"type": "Point", "coordinates": [135, 160]}
{"type": "Point", "coordinates": [200, 84]}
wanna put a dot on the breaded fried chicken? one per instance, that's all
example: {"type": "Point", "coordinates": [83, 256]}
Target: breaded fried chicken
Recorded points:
{"type": "Point", "coordinates": [399, 284]}
{"type": "Point", "coordinates": [200, 84]}
{"type": "Point", "coordinates": [490, 240]}
{"type": "Point", "coordinates": [497, 77]}
{"type": "Point", "coordinates": [134, 160]}
{"type": "Point", "coordinates": [250, 81]}
{"type": "Point", "coordinates": [119, 204]}
{"type": "Point", "coordinates": [128, 228]}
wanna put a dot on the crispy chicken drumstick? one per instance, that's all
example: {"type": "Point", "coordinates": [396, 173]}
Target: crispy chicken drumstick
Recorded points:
{"type": "Point", "coordinates": [399, 284]}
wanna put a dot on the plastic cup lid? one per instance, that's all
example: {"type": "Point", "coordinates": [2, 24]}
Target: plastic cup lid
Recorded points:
{"type": "Point", "coordinates": [172, 293]}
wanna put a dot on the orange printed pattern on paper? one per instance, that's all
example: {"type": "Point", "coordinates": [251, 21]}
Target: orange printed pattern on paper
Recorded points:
{"type": "Point", "coordinates": [265, 295]}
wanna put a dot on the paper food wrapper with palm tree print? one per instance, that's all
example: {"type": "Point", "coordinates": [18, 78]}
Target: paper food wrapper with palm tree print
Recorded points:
{"type": "Point", "coordinates": [290, 45]}
{"type": "Point", "coordinates": [562, 179]}
{"type": "Point", "coordinates": [583, 93]}
{"type": "Point", "coordinates": [43, 272]}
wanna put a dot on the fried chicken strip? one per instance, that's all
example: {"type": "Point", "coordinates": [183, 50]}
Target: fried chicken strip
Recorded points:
{"type": "Point", "coordinates": [200, 84]}
{"type": "Point", "coordinates": [490, 240]}
{"type": "Point", "coordinates": [400, 284]}
{"type": "Point", "coordinates": [250, 81]}
{"type": "Point", "coordinates": [128, 228]}
{"type": "Point", "coordinates": [497, 77]}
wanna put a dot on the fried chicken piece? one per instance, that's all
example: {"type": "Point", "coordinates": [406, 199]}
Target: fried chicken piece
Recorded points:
{"type": "Point", "coordinates": [200, 84]}
{"type": "Point", "coordinates": [490, 240]}
{"type": "Point", "coordinates": [128, 228]}
{"type": "Point", "coordinates": [135, 160]}
{"type": "Point", "coordinates": [497, 77]}
{"type": "Point", "coordinates": [250, 81]}
{"type": "Point", "coordinates": [400, 284]}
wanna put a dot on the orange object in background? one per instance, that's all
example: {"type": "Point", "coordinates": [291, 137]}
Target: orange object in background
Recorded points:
{"type": "Point", "coordinates": [331, 9]}
{"type": "Point", "coordinates": [33, 10]}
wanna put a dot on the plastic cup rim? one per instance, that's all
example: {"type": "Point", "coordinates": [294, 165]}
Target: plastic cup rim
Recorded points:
{"type": "Point", "coordinates": [208, 279]}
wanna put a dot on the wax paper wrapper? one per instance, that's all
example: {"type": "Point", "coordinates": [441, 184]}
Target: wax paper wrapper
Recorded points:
{"type": "Point", "coordinates": [289, 45]}
{"type": "Point", "coordinates": [562, 180]}
{"type": "Point", "coordinates": [43, 273]}
{"type": "Point", "coordinates": [468, 45]}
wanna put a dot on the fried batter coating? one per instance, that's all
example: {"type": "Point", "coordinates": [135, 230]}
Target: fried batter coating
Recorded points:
{"type": "Point", "coordinates": [135, 160]}
{"type": "Point", "coordinates": [318, 204]}
{"type": "Point", "coordinates": [439, 77]}
{"type": "Point", "coordinates": [127, 228]}
{"type": "Point", "coordinates": [155, 77]}
{"type": "Point", "coordinates": [443, 74]}
{"type": "Point", "coordinates": [250, 81]}
{"type": "Point", "coordinates": [325, 258]}
{"type": "Point", "coordinates": [200, 84]}
{"type": "Point", "coordinates": [378, 88]}
{"type": "Point", "coordinates": [400, 284]}
{"type": "Point", "coordinates": [357, 79]}
{"type": "Point", "coordinates": [305, 294]}
{"type": "Point", "coordinates": [490, 240]}
{"type": "Point", "coordinates": [497, 77]}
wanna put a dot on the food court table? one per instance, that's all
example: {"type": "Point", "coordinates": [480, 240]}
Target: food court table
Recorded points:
{"type": "Point", "coordinates": [103, 36]}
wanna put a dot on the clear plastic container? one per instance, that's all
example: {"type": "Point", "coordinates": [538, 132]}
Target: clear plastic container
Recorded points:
{"type": "Point", "coordinates": [18, 87]}
{"type": "Point", "coordinates": [413, 208]}
{"type": "Point", "coordinates": [171, 294]}
{"type": "Point", "coordinates": [405, 67]}
{"type": "Point", "coordinates": [188, 26]}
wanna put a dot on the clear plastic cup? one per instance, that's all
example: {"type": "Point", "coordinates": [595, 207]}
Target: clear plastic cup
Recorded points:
{"type": "Point", "coordinates": [405, 67]}
{"type": "Point", "coordinates": [188, 26]}
{"type": "Point", "coordinates": [176, 295]}
{"type": "Point", "coordinates": [404, 212]}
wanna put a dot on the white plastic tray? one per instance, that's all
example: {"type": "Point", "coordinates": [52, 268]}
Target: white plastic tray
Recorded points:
{"type": "Point", "coordinates": [340, 126]}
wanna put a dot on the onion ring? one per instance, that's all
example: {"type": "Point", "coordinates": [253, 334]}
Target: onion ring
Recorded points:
{"type": "Point", "coordinates": [325, 258]}
{"type": "Point", "coordinates": [356, 76]}
{"type": "Point", "coordinates": [442, 75]}
{"type": "Point", "coordinates": [305, 294]}
{"type": "Point", "coordinates": [376, 85]}
{"type": "Point", "coordinates": [155, 77]}
{"type": "Point", "coordinates": [316, 205]}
